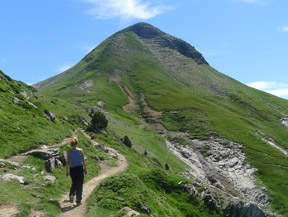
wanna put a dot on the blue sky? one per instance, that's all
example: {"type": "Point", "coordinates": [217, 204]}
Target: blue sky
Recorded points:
{"type": "Point", "coordinates": [244, 39]}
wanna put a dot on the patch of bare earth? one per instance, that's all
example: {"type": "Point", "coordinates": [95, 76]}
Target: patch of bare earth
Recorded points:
{"type": "Point", "coordinates": [8, 210]}
{"type": "Point", "coordinates": [70, 209]}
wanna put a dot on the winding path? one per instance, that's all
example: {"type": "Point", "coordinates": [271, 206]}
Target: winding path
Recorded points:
{"type": "Point", "coordinates": [69, 209]}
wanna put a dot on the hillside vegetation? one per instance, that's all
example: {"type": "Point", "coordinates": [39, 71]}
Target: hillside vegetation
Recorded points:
{"type": "Point", "coordinates": [166, 76]}
{"type": "Point", "coordinates": [23, 124]}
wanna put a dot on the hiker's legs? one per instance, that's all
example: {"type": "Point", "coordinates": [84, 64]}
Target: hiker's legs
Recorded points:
{"type": "Point", "coordinates": [73, 188]}
{"type": "Point", "coordinates": [79, 188]}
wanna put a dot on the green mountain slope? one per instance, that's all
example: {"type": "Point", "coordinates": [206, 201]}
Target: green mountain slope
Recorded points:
{"type": "Point", "coordinates": [143, 64]}
{"type": "Point", "coordinates": [23, 124]}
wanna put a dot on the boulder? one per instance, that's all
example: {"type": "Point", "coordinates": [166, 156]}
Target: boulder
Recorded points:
{"type": "Point", "coordinates": [128, 212]}
{"type": "Point", "coordinates": [45, 153]}
{"type": "Point", "coordinates": [25, 95]}
{"type": "Point", "coordinates": [29, 167]}
{"type": "Point", "coordinates": [8, 177]}
{"type": "Point", "coordinates": [49, 115]}
{"type": "Point", "coordinates": [85, 122]}
{"type": "Point", "coordinates": [63, 158]}
{"type": "Point", "coordinates": [51, 179]}
{"type": "Point", "coordinates": [16, 100]}
{"type": "Point", "coordinates": [50, 164]}
{"type": "Point", "coordinates": [30, 103]}
{"type": "Point", "coordinates": [5, 162]}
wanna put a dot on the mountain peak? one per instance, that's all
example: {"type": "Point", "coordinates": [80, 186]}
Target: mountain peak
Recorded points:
{"type": "Point", "coordinates": [147, 31]}
{"type": "Point", "coordinates": [144, 30]}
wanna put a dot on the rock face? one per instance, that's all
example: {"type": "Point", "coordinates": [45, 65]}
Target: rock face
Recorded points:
{"type": "Point", "coordinates": [241, 209]}
{"type": "Point", "coordinates": [224, 180]}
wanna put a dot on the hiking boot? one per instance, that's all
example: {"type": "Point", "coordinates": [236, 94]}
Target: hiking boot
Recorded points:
{"type": "Point", "coordinates": [71, 199]}
{"type": "Point", "coordinates": [78, 203]}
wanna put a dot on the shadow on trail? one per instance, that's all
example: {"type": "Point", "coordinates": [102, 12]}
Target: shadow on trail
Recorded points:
{"type": "Point", "coordinates": [68, 208]}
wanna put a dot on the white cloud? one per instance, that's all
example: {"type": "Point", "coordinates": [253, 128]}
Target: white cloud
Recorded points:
{"type": "Point", "coordinates": [283, 29]}
{"type": "Point", "coordinates": [126, 9]}
{"type": "Point", "coordinates": [64, 67]}
{"type": "Point", "coordinates": [279, 92]}
{"type": "Point", "coordinates": [264, 85]}
{"type": "Point", "coordinates": [272, 87]}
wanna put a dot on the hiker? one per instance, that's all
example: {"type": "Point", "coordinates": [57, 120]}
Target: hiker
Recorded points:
{"type": "Point", "coordinates": [75, 163]}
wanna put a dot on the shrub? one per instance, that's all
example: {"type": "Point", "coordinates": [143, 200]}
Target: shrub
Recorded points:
{"type": "Point", "coordinates": [98, 122]}
{"type": "Point", "coordinates": [127, 142]}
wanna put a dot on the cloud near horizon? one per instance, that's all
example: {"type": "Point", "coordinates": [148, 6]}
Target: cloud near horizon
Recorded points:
{"type": "Point", "coordinates": [283, 29]}
{"type": "Point", "coordinates": [272, 87]}
{"type": "Point", "coordinates": [125, 9]}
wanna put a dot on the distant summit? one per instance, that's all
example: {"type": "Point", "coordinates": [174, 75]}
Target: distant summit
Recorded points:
{"type": "Point", "coordinates": [147, 31]}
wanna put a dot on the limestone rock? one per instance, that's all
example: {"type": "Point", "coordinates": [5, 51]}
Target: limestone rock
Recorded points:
{"type": "Point", "coordinates": [5, 162]}
{"type": "Point", "coordinates": [51, 179]}
{"type": "Point", "coordinates": [16, 100]}
{"type": "Point", "coordinates": [242, 209]}
{"type": "Point", "coordinates": [29, 167]}
{"type": "Point", "coordinates": [85, 122]}
{"type": "Point", "coordinates": [45, 153]}
{"type": "Point", "coordinates": [63, 158]}
{"type": "Point", "coordinates": [30, 103]}
{"type": "Point", "coordinates": [128, 212]}
{"type": "Point", "coordinates": [8, 177]}
{"type": "Point", "coordinates": [50, 164]}
{"type": "Point", "coordinates": [25, 95]}
{"type": "Point", "coordinates": [49, 115]}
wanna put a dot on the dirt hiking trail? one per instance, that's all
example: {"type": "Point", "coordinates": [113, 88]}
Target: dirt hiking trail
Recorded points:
{"type": "Point", "coordinates": [70, 209]}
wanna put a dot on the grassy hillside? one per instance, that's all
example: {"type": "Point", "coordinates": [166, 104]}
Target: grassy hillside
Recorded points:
{"type": "Point", "coordinates": [192, 96]}
{"type": "Point", "coordinates": [146, 185]}
{"type": "Point", "coordinates": [40, 195]}
{"type": "Point", "coordinates": [22, 123]}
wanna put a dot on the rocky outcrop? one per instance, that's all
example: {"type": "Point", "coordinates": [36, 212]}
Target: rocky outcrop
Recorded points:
{"type": "Point", "coordinates": [25, 95]}
{"type": "Point", "coordinates": [16, 100]}
{"type": "Point", "coordinates": [127, 212]}
{"type": "Point", "coordinates": [241, 209]}
{"type": "Point", "coordinates": [4, 163]}
{"type": "Point", "coordinates": [52, 157]}
{"type": "Point", "coordinates": [111, 153]}
{"type": "Point", "coordinates": [51, 179]}
{"type": "Point", "coordinates": [224, 180]}
{"type": "Point", "coordinates": [8, 177]}
{"type": "Point", "coordinates": [50, 164]}
{"type": "Point", "coordinates": [45, 153]}
{"type": "Point", "coordinates": [284, 121]}
{"type": "Point", "coordinates": [49, 115]}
